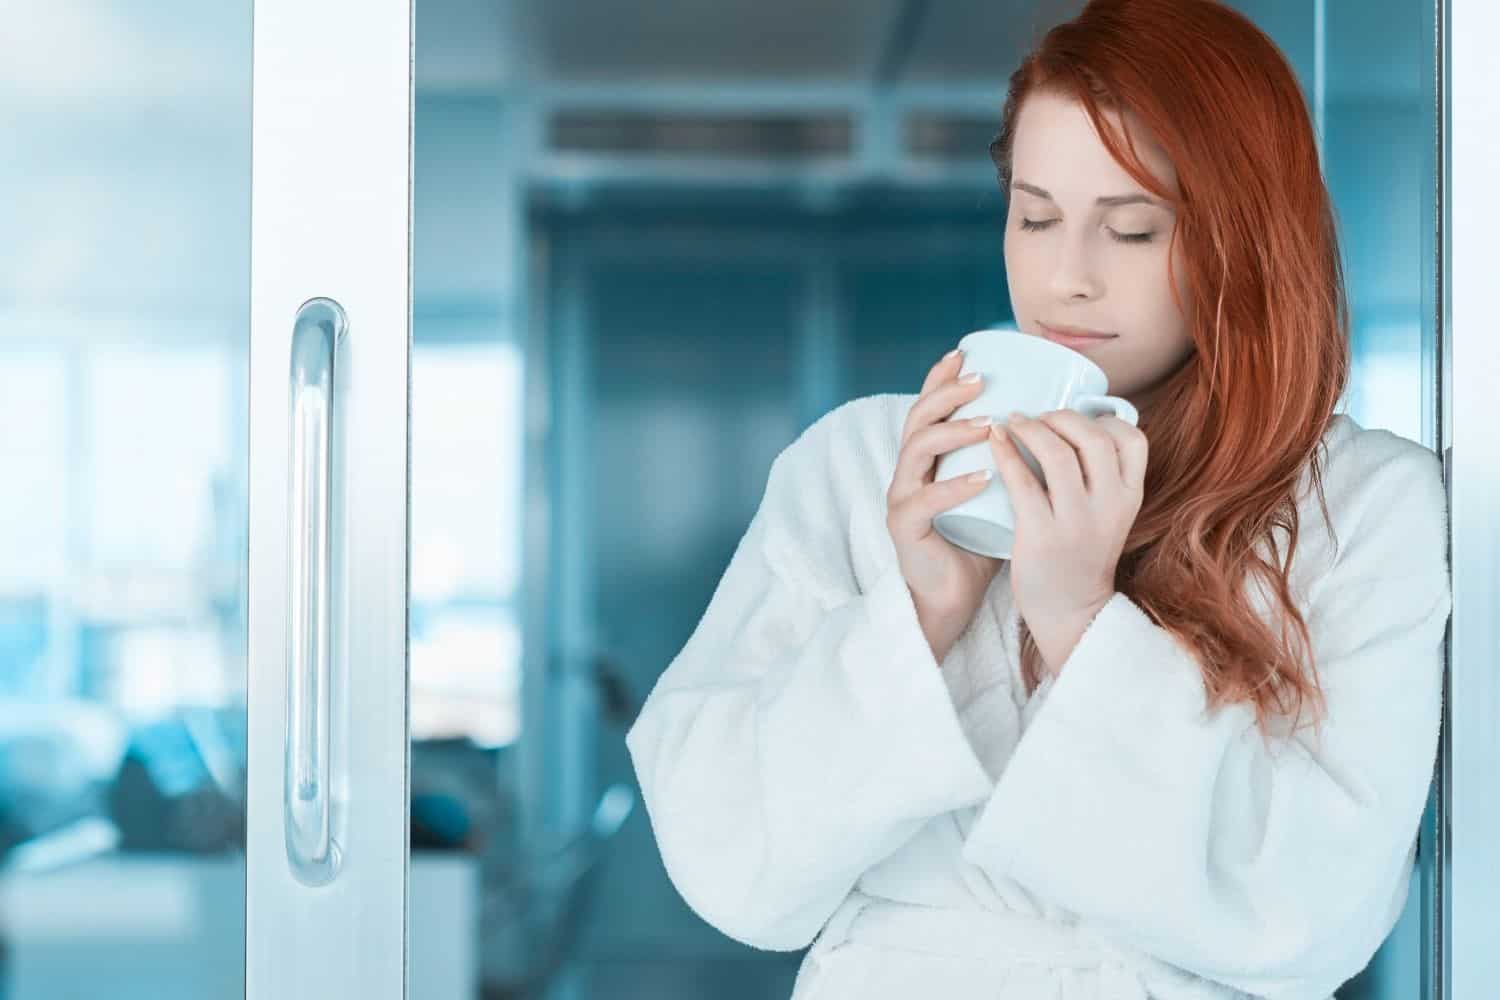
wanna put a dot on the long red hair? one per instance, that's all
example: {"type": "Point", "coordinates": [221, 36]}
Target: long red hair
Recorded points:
{"type": "Point", "coordinates": [1234, 428]}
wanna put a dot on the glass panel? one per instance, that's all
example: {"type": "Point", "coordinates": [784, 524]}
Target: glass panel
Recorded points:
{"type": "Point", "coordinates": [1380, 133]}
{"type": "Point", "coordinates": [646, 238]}
{"type": "Point", "coordinates": [466, 541]}
{"type": "Point", "coordinates": [123, 352]}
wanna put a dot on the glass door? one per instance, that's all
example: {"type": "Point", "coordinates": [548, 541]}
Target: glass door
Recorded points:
{"type": "Point", "coordinates": [643, 239]}
{"type": "Point", "coordinates": [124, 351]}
{"type": "Point", "coordinates": [202, 671]}
{"type": "Point", "coordinates": [1377, 112]}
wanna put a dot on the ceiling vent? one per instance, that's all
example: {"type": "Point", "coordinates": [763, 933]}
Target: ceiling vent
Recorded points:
{"type": "Point", "coordinates": [949, 137]}
{"type": "Point", "coordinates": [729, 136]}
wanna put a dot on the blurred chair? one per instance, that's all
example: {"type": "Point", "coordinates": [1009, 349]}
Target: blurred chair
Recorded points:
{"type": "Point", "coordinates": [57, 758]}
{"type": "Point", "coordinates": [536, 901]}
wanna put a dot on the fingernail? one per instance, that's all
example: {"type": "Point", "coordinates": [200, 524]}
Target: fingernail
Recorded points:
{"type": "Point", "coordinates": [951, 353]}
{"type": "Point", "coordinates": [970, 377]}
{"type": "Point", "coordinates": [984, 420]}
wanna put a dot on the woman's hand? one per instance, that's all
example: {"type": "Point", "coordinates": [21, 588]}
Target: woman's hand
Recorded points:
{"type": "Point", "coordinates": [946, 582]}
{"type": "Point", "coordinates": [1069, 536]}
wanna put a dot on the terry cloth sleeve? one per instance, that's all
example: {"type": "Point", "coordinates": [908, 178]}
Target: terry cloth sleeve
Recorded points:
{"type": "Point", "coordinates": [1278, 872]}
{"type": "Point", "coordinates": [804, 732]}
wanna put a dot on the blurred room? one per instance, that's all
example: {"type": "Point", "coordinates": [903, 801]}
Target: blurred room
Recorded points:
{"type": "Point", "coordinates": [643, 235]}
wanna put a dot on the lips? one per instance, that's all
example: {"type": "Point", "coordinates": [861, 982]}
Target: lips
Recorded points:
{"type": "Point", "coordinates": [1074, 333]}
{"type": "Point", "coordinates": [1075, 338]}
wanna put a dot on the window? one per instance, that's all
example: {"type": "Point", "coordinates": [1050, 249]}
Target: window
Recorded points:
{"type": "Point", "coordinates": [465, 533]}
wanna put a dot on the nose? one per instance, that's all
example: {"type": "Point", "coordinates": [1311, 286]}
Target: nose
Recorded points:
{"type": "Point", "coordinates": [1074, 271]}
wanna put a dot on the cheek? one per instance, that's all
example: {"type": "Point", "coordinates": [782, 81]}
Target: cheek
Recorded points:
{"type": "Point", "coordinates": [1018, 274]}
{"type": "Point", "coordinates": [1159, 337]}
{"type": "Point", "coordinates": [1156, 301]}
{"type": "Point", "coordinates": [1170, 342]}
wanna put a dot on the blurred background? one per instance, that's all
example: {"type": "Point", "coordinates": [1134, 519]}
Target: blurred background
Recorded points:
{"type": "Point", "coordinates": [646, 234]}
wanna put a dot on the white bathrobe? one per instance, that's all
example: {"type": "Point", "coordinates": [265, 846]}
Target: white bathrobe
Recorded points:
{"type": "Point", "coordinates": [811, 773]}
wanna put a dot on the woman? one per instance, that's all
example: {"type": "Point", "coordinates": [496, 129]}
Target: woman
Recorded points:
{"type": "Point", "coordinates": [1080, 772]}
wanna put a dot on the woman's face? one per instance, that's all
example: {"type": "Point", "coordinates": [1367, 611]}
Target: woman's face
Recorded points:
{"type": "Point", "coordinates": [1086, 247]}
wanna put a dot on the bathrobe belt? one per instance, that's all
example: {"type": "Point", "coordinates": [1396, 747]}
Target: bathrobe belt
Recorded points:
{"type": "Point", "coordinates": [1009, 938]}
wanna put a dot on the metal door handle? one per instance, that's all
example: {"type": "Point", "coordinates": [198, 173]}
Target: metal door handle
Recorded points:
{"type": "Point", "coordinates": [313, 852]}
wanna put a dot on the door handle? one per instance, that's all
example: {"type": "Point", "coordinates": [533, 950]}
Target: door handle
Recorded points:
{"type": "Point", "coordinates": [311, 847]}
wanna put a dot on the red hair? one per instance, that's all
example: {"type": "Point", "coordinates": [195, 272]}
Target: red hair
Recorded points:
{"type": "Point", "coordinates": [1232, 430]}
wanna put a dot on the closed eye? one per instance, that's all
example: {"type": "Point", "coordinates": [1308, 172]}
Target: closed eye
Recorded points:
{"type": "Point", "coordinates": [1033, 226]}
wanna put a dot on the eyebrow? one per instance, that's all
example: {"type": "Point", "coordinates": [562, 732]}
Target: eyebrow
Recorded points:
{"type": "Point", "coordinates": [1111, 201]}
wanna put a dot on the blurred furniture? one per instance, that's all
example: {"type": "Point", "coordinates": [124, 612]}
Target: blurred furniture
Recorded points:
{"type": "Point", "coordinates": [536, 900]}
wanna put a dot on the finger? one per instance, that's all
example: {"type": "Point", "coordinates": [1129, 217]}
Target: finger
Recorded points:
{"type": "Point", "coordinates": [915, 464]}
{"type": "Point", "coordinates": [1059, 462]}
{"type": "Point", "coordinates": [1097, 450]}
{"type": "Point", "coordinates": [1026, 494]}
{"type": "Point", "coordinates": [912, 518]}
{"type": "Point", "coordinates": [1133, 446]}
{"type": "Point", "coordinates": [939, 404]}
{"type": "Point", "coordinates": [946, 369]}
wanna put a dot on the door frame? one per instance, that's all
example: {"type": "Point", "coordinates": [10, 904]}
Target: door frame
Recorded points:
{"type": "Point", "coordinates": [327, 851]}
{"type": "Point", "coordinates": [1464, 959]}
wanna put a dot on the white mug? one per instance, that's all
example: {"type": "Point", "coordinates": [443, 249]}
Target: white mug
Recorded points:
{"type": "Point", "coordinates": [1022, 374]}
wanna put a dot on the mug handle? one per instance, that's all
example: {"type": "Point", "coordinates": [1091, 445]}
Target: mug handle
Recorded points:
{"type": "Point", "coordinates": [1098, 406]}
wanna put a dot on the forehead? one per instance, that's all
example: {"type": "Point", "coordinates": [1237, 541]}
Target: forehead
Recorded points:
{"type": "Point", "coordinates": [1057, 148]}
